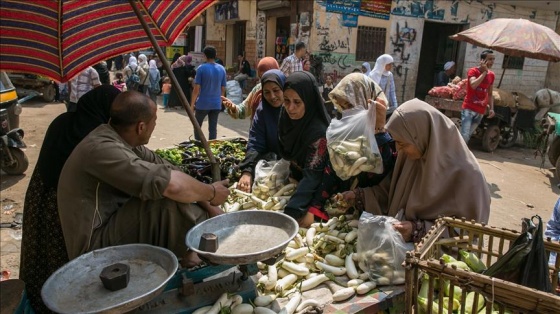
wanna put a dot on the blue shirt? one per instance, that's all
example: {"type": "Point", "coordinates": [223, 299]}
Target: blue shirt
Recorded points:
{"type": "Point", "coordinates": [211, 77]}
{"type": "Point", "coordinates": [263, 135]}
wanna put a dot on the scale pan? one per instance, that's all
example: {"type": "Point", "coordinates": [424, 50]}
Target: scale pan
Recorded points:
{"type": "Point", "coordinates": [76, 287]}
{"type": "Point", "coordinates": [244, 237]}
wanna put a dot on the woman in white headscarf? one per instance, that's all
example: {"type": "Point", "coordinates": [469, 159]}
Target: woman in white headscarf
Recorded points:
{"type": "Point", "coordinates": [382, 75]}
{"type": "Point", "coordinates": [144, 80]}
{"type": "Point", "coordinates": [153, 78]}
{"type": "Point", "coordinates": [131, 68]}
{"type": "Point", "coordinates": [366, 68]}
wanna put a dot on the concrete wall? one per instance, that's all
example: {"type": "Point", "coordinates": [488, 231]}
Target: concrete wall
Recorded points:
{"type": "Point", "coordinates": [337, 44]}
{"type": "Point", "coordinates": [528, 80]}
{"type": "Point", "coordinates": [553, 75]}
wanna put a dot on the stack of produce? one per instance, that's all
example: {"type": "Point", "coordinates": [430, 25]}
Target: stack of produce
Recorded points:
{"type": "Point", "coordinates": [191, 157]}
{"type": "Point", "coordinates": [454, 297]}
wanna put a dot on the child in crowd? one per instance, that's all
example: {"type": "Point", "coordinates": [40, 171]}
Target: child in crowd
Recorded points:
{"type": "Point", "coordinates": [166, 90]}
{"type": "Point", "coordinates": [327, 88]}
{"type": "Point", "coordinates": [119, 83]}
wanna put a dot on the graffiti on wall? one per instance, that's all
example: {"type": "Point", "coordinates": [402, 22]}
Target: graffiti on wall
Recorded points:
{"type": "Point", "coordinates": [424, 9]}
{"type": "Point", "coordinates": [402, 37]}
{"type": "Point", "coordinates": [328, 45]}
{"type": "Point", "coordinates": [261, 34]}
{"type": "Point", "coordinates": [341, 61]}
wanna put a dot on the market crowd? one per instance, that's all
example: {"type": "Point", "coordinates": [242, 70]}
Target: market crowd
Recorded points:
{"type": "Point", "coordinates": [96, 184]}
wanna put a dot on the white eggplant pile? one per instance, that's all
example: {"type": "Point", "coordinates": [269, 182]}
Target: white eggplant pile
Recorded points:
{"type": "Point", "coordinates": [317, 255]}
{"type": "Point", "coordinates": [268, 195]}
{"type": "Point", "coordinates": [352, 156]}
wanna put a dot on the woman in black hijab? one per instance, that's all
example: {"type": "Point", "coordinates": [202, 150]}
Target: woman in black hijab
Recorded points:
{"type": "Point", "coordinates": [43, 249]}
{"type": "Point", "coordinates": [302, 130]}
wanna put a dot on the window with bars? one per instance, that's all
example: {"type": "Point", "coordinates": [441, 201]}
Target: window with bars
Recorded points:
{"type": "Point", "coordinates": [511, 62]}
{"type": "Point", "coordinates": [371, 43]}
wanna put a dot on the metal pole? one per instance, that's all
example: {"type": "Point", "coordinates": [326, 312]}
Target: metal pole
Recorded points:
{"type": "Point", "coordinates": [503, 71]}
{"type": "Point", "coordinates": [214, 164]}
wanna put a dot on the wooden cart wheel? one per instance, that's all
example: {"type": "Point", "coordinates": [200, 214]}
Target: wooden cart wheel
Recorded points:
{"type": "Point", "coordinates": [457, 122]}
{"type": "Point", "coordinates": [508, 136]}
{"type": "Point", "coordinates": [49, 93]}
{"type": "Point", "coordinates": [491, 138]}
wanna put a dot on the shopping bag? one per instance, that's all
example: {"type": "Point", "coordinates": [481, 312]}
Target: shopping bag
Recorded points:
{"type": "Point", "coordinates": [351, 143]}
{"type": "Point", "coordinates": [381, 249]}
{"type": "Point", "coordinates": [525, 263]}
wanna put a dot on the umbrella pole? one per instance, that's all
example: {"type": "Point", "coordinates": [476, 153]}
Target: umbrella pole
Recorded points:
{"type": "Point", "coordinates": [503, 71]}
{"type": "Point", "coordinates": [214, 164]}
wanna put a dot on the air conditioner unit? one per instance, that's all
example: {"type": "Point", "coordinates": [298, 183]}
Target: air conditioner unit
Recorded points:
{"type": "Point", "coordinates": [272, 4]}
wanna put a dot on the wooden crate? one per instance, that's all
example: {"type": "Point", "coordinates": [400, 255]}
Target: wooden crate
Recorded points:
{"type": "Point", "coordinates": [489, 243]}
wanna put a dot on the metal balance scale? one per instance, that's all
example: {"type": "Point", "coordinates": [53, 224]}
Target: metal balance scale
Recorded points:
{"type": "Point", "coordinates": [231, 244]}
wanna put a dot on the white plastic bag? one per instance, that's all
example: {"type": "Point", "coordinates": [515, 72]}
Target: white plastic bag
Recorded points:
{"type": "Point", "coordinates": [270, 177]}
{"type": "Point", "coordinates": [234, 92]}
{"type": "Point", "coordinates": [351, 143]}
{"type": "Point", "coordinates": [381, 249]}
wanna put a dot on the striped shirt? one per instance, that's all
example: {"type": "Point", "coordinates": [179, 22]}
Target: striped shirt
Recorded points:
{"type": "Point", "coordinates": [83, 83]}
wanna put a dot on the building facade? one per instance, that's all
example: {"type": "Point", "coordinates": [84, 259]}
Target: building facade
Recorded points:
{"type": "Point", "coordinates": [341, 35]}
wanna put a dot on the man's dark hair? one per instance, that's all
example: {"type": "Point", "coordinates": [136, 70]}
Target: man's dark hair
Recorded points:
{"type": "Point", "coordinates": [485, 53]}
{"type": "Point", "coordinates": [210, 52]}
{"type": "Point", "coordinates": [130, 108]}
{"type": "Point", "coordinates": [300, 45]}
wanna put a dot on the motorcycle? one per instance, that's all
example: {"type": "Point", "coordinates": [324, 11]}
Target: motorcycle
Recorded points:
{"type": "Point", "coordinates": [13, 160]}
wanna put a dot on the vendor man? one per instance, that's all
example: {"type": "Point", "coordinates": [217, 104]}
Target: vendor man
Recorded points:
{"type": "Point", "coordinates": [113, 190]}
{"type": "Point", "coordinates": [442, 78]}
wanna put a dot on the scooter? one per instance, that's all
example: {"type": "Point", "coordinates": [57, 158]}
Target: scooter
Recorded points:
{"type": "Point", "coordinates": [13, 159]}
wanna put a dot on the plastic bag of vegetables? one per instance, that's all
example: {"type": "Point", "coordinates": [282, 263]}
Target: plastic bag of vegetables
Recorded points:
{"type": "Point", "coordinates": [381, 249]}
{"type": "Point", "coordinates": [351, 143]}
{"type": "Point", "coordinates": [270, 177]}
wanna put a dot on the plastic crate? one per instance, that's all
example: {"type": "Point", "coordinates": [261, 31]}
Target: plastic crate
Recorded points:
{"type": "Point", "coordinates": [489, 243]}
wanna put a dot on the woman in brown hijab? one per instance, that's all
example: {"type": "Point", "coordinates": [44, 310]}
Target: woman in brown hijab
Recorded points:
{"type": "Point", "coordinates": [435, 174]}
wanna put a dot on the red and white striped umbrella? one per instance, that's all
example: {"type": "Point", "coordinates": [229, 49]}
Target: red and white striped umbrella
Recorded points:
{"type": "Point", "coordinates": [60, 38]}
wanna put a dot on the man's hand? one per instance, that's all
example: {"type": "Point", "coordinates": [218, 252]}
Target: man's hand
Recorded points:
{"type": "Point", "coordinates": [405, 228]}
{"type": "Point", "coordinates": [491, 114]}
{"type": "Point", "coordinates": [244, 183]}
{"type": "Point", "coordinates": [214, 211]}
{"type": "Point", "coordinates": [221, 192]}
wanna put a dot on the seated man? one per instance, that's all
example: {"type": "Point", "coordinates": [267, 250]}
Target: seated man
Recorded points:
{"type": "Point", "coordinates": [113, 190]}
{"type": "Point", "coordinates": [243, 71]}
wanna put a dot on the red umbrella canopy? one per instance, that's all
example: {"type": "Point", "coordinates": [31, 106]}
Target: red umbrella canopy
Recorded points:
{"type": "Point", "coordinates": [514, 37]}
{"type": "Point", "coordinates": [60, 38]}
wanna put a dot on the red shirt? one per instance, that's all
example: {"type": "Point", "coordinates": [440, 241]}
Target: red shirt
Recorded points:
{"type": "Point", "coordinates": [477, 99]}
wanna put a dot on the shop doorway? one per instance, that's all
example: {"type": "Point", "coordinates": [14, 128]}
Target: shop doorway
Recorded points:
{"type": "Point", "coordinates": [436, 50]}
{"type": "Point", "coordinates": [239, 40]}
{"type": "Point", "coordinates": [281, 48]}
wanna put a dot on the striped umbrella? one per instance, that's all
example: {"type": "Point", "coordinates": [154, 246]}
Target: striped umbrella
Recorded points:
{"type": "Point", "coordinates": [60, 38]}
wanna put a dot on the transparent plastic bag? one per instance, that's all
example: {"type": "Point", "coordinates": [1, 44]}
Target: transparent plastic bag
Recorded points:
{"type": "Point", "coordinates": [381, 249]}
{"type": "Point", "coordinates": [234, 92]}
{"type": "Point", "coordinates": [351, 143]}
{"type": "Point", "coordinates": [270, 177]}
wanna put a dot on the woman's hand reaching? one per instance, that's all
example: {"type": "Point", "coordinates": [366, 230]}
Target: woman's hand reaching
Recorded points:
{"type": "Point", "coordinates": [306, 220]}
{"type": "Point", "coordinates": [229, 104]}
{"type": "Point", "coordinates": [405, 228]}
{"type": "Point", "coordinates": [245, 183]}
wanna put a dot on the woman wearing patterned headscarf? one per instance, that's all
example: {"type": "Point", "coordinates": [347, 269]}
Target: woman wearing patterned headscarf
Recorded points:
{"type": "Point", "coordinates": [359, 91]}
{"type": "Point", "coordinates": [184, 72]}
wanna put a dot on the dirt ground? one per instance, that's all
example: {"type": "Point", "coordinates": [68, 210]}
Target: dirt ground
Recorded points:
{"type": "Point", "coordinates": [520, 187]}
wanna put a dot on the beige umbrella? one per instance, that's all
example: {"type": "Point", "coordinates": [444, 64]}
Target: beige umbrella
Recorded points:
{"type": "Point", "coordinates": [514, 37]}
